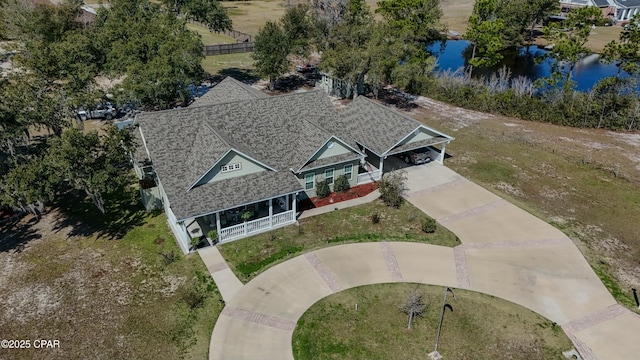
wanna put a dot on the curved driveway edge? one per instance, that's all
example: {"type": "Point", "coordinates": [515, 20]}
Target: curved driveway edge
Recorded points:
{"type": "Point", "coordinates": [505, 252]}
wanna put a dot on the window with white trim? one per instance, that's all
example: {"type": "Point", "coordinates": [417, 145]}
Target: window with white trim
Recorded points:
{"type": "Point", "coordinates": [348, 171]}
{"type": "Point", "coordinates": [328, 175]}
{"type": "Point", "coordinates": [309, 181]}
{"type": "Point", "coordinates": [230, 167]}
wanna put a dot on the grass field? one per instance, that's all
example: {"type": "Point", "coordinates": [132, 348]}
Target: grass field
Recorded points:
{"type": "Point", "coordinates": [210, 38]}
{"type": "Point", "coordinates": [221, 64]}
{"type": "Point", "coordinates": [110, 287]}
{"type": "Point", "coordinates": [250, 16]}
{"type": "Point", "coordinates": [251, 256]}
{"type": "Point", "coordinates": [480, 327]}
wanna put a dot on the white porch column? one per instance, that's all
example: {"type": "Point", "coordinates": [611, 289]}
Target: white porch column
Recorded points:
{"type": "Point", "coordinates": [295, 200]}
{"type": "Point", "coordinates": [183, 227]}
{"type": "Point", "coordinates": [440, 158]}
{"type": "Point", "coordinates": [187, 237]}
{"type": "Point", "coordinates": [270, 213]}
{"type": "Point", "coordinates": [218, 227]}
{"type": "Point", "coordinates": [381, 165]}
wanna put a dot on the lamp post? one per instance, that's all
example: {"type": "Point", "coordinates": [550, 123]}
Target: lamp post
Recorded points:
{"type": "Point", "coordinates": [435, 355]}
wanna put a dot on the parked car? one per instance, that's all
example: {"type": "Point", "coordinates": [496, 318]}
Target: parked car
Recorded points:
{"type": "Point", "coordinates": [416, 157]}
{"type": "Point", "coordinates": [308, 68]}
{"type": "Point", "coordinates": [102, 111]}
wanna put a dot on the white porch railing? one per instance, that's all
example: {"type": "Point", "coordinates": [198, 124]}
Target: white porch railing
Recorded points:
{"type": "Point", "coordinates": [284, 217]}
{"type": "Point", "coordinates": [257, 225]}
{"type": "Point", "coordinates": [368, 177]}
{"type": "Point", "coordinates": [254, 226]}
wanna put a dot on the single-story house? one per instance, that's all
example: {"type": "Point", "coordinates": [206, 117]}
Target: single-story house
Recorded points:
{"type": "Point", "coordinates": [617, 10]}
{"type": "Point", "coordinates": [237, 161]}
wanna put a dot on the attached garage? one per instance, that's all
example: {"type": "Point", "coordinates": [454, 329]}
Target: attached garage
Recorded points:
{"type": "Point", "coordinates": [388, 137]}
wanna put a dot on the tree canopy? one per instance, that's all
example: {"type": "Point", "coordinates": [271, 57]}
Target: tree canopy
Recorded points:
{"type": "Point", "coordinates": [142, 43]}
{"type": "Point", "coordinates": [485, 33]}
{"type": "Point", "coordinates": [208, 12]}
{"type": "Point", "coordinates": [626, 51]}
{"type": "Point", "coordinates": [421, 17]}
{"type": "Point", "coordinates": [271, 51]}
{"type": "Point", "coordinates": [154, 50]}
{"type": "Point", "coordinates": [570, 36]}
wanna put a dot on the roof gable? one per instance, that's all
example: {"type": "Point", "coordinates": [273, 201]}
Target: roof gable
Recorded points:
{"type": "Point", "coordinates": [228, 90]}
{"type": "Point", "coordinates": [374, 126]}
{"type": "Point", "coordinates": [279, 132]}
{"type": "Point", "coordinates": [332, 151]}
{"type": "Point", "coordinates": [232, 164]}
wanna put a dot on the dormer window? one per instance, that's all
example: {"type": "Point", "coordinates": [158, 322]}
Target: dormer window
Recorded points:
{"type": "Point", "coordinates": [230, 167]}
{"type": "Point", "coordinates": [329, 144]}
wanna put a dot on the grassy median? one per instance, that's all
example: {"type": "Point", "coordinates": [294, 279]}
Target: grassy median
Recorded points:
{"type": "Point", "coordinates": [249, 257]}
{"type": "Point", "coordinates": [479, 327]}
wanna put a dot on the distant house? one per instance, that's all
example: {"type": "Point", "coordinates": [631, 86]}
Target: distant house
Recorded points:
{"type": "Point", "coordinates": [87, 16]}
{"type": "Point", "coordinates": [618, 10]}
{"type": "Point", "coordinates": [238, 161]}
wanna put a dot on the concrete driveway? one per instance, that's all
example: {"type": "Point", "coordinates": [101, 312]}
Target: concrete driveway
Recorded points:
{"type": "Point", "coordinates": [505, 252]}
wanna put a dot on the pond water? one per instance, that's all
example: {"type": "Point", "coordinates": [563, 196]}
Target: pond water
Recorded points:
{"type": "Point", "coordinates": [455, 54]}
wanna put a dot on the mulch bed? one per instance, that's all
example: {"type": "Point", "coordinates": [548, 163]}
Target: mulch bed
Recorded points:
{"type": "Point", "coordinates": [333, 198]}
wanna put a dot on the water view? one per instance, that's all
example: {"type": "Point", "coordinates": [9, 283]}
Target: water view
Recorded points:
{"type": "Point", "coordinates": [455, 54]}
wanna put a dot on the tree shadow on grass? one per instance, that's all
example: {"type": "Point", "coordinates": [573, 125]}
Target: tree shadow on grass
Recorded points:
{"type": "Point", "coordinates": [245, 75]}
{"type": "Point", "coordinates": [398, 99]}
{"type": "Point", "coordinates": [16, 233]}
{"type": "Point", "coordinates": [123, 212]}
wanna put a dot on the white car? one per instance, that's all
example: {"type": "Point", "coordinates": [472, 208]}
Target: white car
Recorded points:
{"type": "Point", "coordinates": [102, 111]}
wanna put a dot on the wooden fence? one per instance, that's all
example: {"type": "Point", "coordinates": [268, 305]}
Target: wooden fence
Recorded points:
{"type": "Point", "coordinates": [244, 43]}
{"type": "Point", "coordinates": [238, 35]}
{"type": "Point", "coordinates": [227, 48]}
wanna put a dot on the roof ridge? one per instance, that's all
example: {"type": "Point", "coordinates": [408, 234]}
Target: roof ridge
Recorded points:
{"type": "Point", "coordinates": [194, 151]}
{"type": "Point", "coordinates": [386, 108]}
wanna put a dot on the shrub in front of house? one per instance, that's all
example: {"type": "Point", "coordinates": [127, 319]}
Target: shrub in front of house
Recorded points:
{"type": "Point", "coordinates": [341, 184]}
{"type": "Point", "coordinates": [322, 189]}
{"type": "Point", "coordinates": [375, 218]}
{"type": "Point", "coordinates": [429, 225]}
{"type": "Point", "coordinates": [392, 187]}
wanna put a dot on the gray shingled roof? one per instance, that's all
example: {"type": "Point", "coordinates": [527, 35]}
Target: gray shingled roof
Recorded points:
{"type": "Point", "coordinates": [418, 145]}
{"type": "Point", "coordinates": [280, 131]}
{"type": "Point", "coordinates": [330, 161]}
{"type": "Point", "coordinates": [373, 125]}
{"type": "Point", "coordinates": [627, 3]}
{"type": "Point", "coordinates": [601, 3]}
{"type": "Point", "coordinates": [229, 193]}
{"type": "Point", "coordinates": [228, 90]}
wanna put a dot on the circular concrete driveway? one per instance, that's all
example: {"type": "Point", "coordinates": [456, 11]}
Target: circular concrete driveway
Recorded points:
{"type": "Point", "coordinates": [505, 252]}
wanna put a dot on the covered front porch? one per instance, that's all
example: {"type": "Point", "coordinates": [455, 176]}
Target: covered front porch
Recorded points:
{"type": "Point", "coordinates": [242, 221]}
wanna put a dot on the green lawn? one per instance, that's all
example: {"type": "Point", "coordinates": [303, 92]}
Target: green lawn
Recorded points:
{"type": "Point", "coordinates": [230, 63]}
{"type": "Point", "coordinates": [480, 327]}
{"type": "Point", "coordinates": [248, 257]}
{"type": "Point", "coordinates": [210, 38]}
